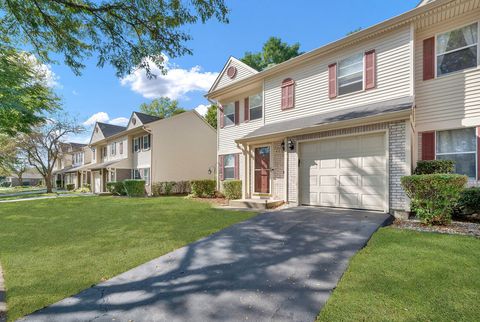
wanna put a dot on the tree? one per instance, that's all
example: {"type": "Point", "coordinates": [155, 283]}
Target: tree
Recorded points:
{"type": "Point", "coordinates": [211, 115]}
{"type": "Point", "coordinates": [162, 107]}
{"type": "Point", "coordinates": [274, 52]}
{"type": "Point", "coordinates": [24, 92]}
{"type": "Point", "coordinates": [43, 145]}
{"type": "Point", "coordinates": [120, 32]}
{"type": "Point", "coordinates": [12, 161]}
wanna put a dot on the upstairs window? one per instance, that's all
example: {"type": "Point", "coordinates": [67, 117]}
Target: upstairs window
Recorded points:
{"type": "Point", "coordinates": [457, 50]}
{"type": "Point", "coordinates": [288, 88]}
{"type": "Point", "coordinates": [104, 151]}
{"type": "Point", "coordinates": [146, 142]}
{"type": "Point", "coordinates": [350, 74]}
{"type": "Point", "coordinates": [136, 144]}
{"type": "Point", "coordinates": [229, 114]}
{"type": "Point", "coordinates": [94, 154]}
{"type": "Point", "coordinates": [121, 147]}
{"type": "Point", "coordinates": [113, 149]}
{"type": "Point", "coordinates": [255, 106]}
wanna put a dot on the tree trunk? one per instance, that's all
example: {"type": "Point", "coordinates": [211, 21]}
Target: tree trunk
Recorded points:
{"type": "Point", "coordinates": [48, 183]}
{"type": "Point", "coordinates": [20, 180]}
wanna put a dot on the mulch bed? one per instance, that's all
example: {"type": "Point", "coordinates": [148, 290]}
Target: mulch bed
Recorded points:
{"type": "Point", "coordinates": [213, 201]}
{"type": "Point", "coordinates": [456, 227]}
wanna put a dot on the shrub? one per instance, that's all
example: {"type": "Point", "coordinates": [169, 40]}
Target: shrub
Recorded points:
{"type": "Point", "coordinates": [232, 189]}
{"type": "Point", "coordinates": [469, 202]}
{"type": "Point", "coordinates": [435, 166]}
{"type": "Point", "coordinates": [170, 187]}
{"type": "Point", "coordinates": [203, 188]}
{"type": "Point", "coordinates": [116, 188]}
{"type": "Point", "coordinates": [70, 186]}
{"type": "Point", "coordinates": [182, 187]}
{"type": "Point", "coordinates": [85, 188]}
{"type": "Point", "coordinates": [134, 188]}
{"type": "Point", "coordinates": [434, 196]}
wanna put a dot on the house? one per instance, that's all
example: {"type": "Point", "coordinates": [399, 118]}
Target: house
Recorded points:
{"type": "Point", "coordinates": [340, 125]}
{"type": "Point", "coordinates": [181, 147]}
{"type": "Point", "coordinates": [70, 166]}
{"type": "Point", "coordinates": [31, 177]}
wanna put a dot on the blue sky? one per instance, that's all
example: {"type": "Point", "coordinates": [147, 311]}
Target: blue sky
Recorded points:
{"type": "Point", "coordinates": [311, 23]}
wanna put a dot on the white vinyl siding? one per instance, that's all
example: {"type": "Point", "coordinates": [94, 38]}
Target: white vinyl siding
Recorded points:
{"type": "Point", "coordinates": [242, 72]}
{"type": "Point", "coordinates": [452, 100]}
{"type": "Point", "coordinates": [393, 50]}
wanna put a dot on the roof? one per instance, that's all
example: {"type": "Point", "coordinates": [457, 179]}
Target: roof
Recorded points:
{"type": "Point", "coordinates": [369, 110]}
{"type": "Point", "coordinates": [146, 118]}
{"type": "Point", "coordinates": [367, 33]}
{"type": "Point", "coordinates": [110, 129]}
{"type": "Point", "coordinates": [77, 145]}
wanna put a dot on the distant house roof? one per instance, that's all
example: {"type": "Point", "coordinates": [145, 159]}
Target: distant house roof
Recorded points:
{"type": "Point", "coordinates": [110, 129]}
{"type": "Point", "coordinates": [369, 110]}
{"type": "Point", "coordinates": [146, 118]}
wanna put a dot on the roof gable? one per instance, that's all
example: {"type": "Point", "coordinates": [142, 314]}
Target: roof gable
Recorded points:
{"type": "Point", "coordinates": [103, 130]}
{"type": "Point", "coordinates": [139, 119]}
{"type": "Point", "coordinates": [234, 70]}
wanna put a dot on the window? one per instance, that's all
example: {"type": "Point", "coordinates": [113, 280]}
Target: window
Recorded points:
{"type": "Point", "coordinates": [288, 93]}
{"type": "Point", "coordinates": [112, 176]}
{"type": "Point", "coordinates": [255, 106]}
{"type": "Point", "coordinates": [350, 74]}
{"type": "Point", "coordinates": [104, 151]}
{"type": "Point", "coordinates": [142, 174]}
{"type": "Point", "coordinates": [94, 154]}
{"type": "Point", "coordinates": [136, 144]}
{"type": "Point", "coordinates": [78, 158]}
{"type": "Point", "coordinates": [146, 142]}
{"type": "Point", "coordinates": [229, 114]}
{"type": "Point", "coordinates": [459, 146]}
{"type": "Point", "coordinates": [136, 174]}
{"type": "Point", "coordinates": [113, 148]}
{"type": "Point", "coordinates": [121, 147]}
{"type": "Point", "coordinates": [229, 166]}
{"type": "Point", "coordinates": [457, 49]}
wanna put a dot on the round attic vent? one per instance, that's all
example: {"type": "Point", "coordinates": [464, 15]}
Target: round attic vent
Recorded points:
{"type": "Point", "coordinates": [231, 72]}
{"type": "Point", "coordinates": [134, 121]}
{"type": "Point", "coordinates": [96, 130]}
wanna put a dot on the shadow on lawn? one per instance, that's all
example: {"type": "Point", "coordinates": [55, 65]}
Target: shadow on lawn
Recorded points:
{"type": "Point", "coordinates": [279, 266]}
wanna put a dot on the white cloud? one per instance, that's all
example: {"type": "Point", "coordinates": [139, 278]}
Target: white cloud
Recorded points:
{"type": "Point", "coordinates": [97, 117]}
{"type": "Point", "coordinates": [202, 109]}
{"type": "Point", "coordinates": [122, 121]}
{"type": "Point", "coordinates": [51, 79]}
{"type": "Point", "coordinates": [175, 84]}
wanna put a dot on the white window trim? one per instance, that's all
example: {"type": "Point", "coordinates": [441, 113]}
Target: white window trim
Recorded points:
{"type": "Point", "coordinates": [232, 166]}
{"type": "Point", "coordinates": [462, 70]}
{"type": "Point", "coordinates": [338, 77]}
{"type": "Point", "coordinates": [250, 107]}
{"type": "Point", "coordinates": [143, 143]}
{"type": "Point", "coordinates": [113, 148]}
{"type": "Point", "coordinates": [455, 153]}
{"type": "Point", "coordinates": [225, 116]}
{"type": "Point", "coordinates": [136, 142]}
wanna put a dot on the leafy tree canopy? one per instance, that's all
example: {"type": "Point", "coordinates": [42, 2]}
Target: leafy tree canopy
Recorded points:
{"type": "Point", "coordinates": [121, 32]}
{"type": "Point", "coordinates": [162, 107]}
{"type": "Point", "coordinates": [211, 115]}
{"type": "Point", "coordinates": [274, 52]}
{"type": "Point", "coordinates": [24, 92]}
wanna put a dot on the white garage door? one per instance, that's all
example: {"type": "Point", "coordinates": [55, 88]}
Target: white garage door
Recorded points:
{"type": "Point", "coordinates": [347, 172]}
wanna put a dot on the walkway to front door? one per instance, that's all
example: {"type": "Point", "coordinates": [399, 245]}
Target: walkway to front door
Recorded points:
{"type": "Point", "coordinates": [278, 266]}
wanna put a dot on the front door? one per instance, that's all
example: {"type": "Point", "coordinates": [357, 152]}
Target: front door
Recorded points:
{"type": "Point", "coordinates": [262, 169]}
{"type": "Point", "coordinates": [97, 181]}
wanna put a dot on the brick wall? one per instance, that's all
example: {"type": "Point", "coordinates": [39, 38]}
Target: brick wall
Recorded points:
{"type": "Point", "coordinates": [278, 173]}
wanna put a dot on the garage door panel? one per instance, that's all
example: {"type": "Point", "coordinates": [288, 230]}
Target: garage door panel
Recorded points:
{"type": "Point", "coordinates": [349, 172]}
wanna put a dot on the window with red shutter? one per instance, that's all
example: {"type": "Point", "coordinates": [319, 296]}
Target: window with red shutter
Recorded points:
{"type": "Point", "coordinates": [429, 58]}
{"type": "Point", "coordinates": [288, 93]}
{"type": "Point", "coordinates": [428, 146]}
{"type": "Point", "coordinates": [246, 110]}
{"type": "Point", "coordinates": [220, 167]}
{"type": "Point", "coordinates": [332, 81]}
{"type": "Point", "coordinates": [237, 112]}
{"type": "Point", "coordinates": [370, 69]}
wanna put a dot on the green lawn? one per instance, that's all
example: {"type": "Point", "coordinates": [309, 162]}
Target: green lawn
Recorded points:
{"type": "Point", "coordinates": [410, 276]}
{"type": "Point", "coordinates": [4, 191]}
{"type": "Point", "coordinates": [27, 196]}
{"type": "Point", "coordinates": [53, 248]}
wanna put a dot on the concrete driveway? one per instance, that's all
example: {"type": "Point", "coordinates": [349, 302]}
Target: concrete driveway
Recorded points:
{"type": "Point", "coordinates": [278, 266]}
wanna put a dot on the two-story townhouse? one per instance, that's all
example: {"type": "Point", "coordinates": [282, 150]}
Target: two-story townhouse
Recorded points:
{"type": "Point", "coordinates": [340, 125]}
{"type": "Point", "coordinates": [178, 148]}
{"type": "Point", "coordinates": [70, 166]}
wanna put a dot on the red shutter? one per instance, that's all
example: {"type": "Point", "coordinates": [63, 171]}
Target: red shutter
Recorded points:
{"type": "Point", "coordinates": [478, 153]}
{"type": "Point", "coordinates": [237, 112]}
{"type": "Point", "coordinates": [220, 116]}
{"type": "Point", "coordinates": [428, 146]}
{"type": "Point", "coordinates": [246, 110]}
{"type": "Point", "coordinates": [429, 58]}
{"type": "Point", "coordinates": [284, 97]}
{"type": "Point", "coordinates": [332, 81]}
{"type": "Point", "coordinates": [220, 167]}
{"type": "Point", "coordinates": [237, 163]}
{"type": "Point", "coordinates": [290, 93]}
{"type": "Point", "coordinates": [370, 72]}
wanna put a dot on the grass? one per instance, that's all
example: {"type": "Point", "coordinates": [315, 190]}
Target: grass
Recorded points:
{"type": "Point", "coordinates": [409, 276]}
{"type": "Point", "coordinates": [5, 191]}
{"type": "Point", "coordinates": [55, 248]}
{"type": "Point", "coordinates": [27, 196]}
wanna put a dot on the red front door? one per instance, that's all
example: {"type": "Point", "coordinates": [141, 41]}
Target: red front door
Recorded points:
{"type": "Point", "coordinates": [262, 169]}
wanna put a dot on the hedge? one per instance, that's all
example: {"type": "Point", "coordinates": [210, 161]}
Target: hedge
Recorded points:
{"type": "Point", "coordinates": [232, 189]}
{"type": "Point", "coordinates": [469, 202]}
{"type": "Point", "coordinates": [434, 196]}
{"type": "Point", "coordinates": [117, 188]}
{"type": "Point", "coordinates": [203, 188]}
{"type": "Point", "coordinates": [170, 187]}
{"type": "Point", "coordinates": [435, 166]}
{"type": "Point", "coordinates": [134, 188]}
{"type": "Point", "coordinates": [70, 186]}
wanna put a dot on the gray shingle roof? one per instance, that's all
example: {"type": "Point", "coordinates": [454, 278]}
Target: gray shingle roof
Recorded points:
{"type": "Point", "coordinates": [146, 118]}
{"type": "Point", "coordinates": [374, 109]}
{"type": "Point", "coordinates": [110, 129]}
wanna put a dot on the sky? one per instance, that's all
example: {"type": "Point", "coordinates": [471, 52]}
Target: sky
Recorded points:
{"type": "Point", "coordinates": [98, 95]}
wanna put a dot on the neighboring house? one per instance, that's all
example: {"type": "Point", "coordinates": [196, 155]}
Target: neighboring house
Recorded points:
{"type": "Point", "coordinates": [178, 148]}
{"type": "Point", "coordinates": [340, 125]}
{"type": "Point", "coordinates": [70, 166]}
{"type": "Point", "coordinates": [31, 177]}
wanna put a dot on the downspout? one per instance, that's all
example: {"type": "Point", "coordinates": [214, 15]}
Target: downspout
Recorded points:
{"type": "Point", "coordinates": [218, 136]}
{"type": "Point", "coordinates": [149, 131]}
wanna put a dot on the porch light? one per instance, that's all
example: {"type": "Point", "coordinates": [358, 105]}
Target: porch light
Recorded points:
{"type": "Point", "coordinates": [290, 144]}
